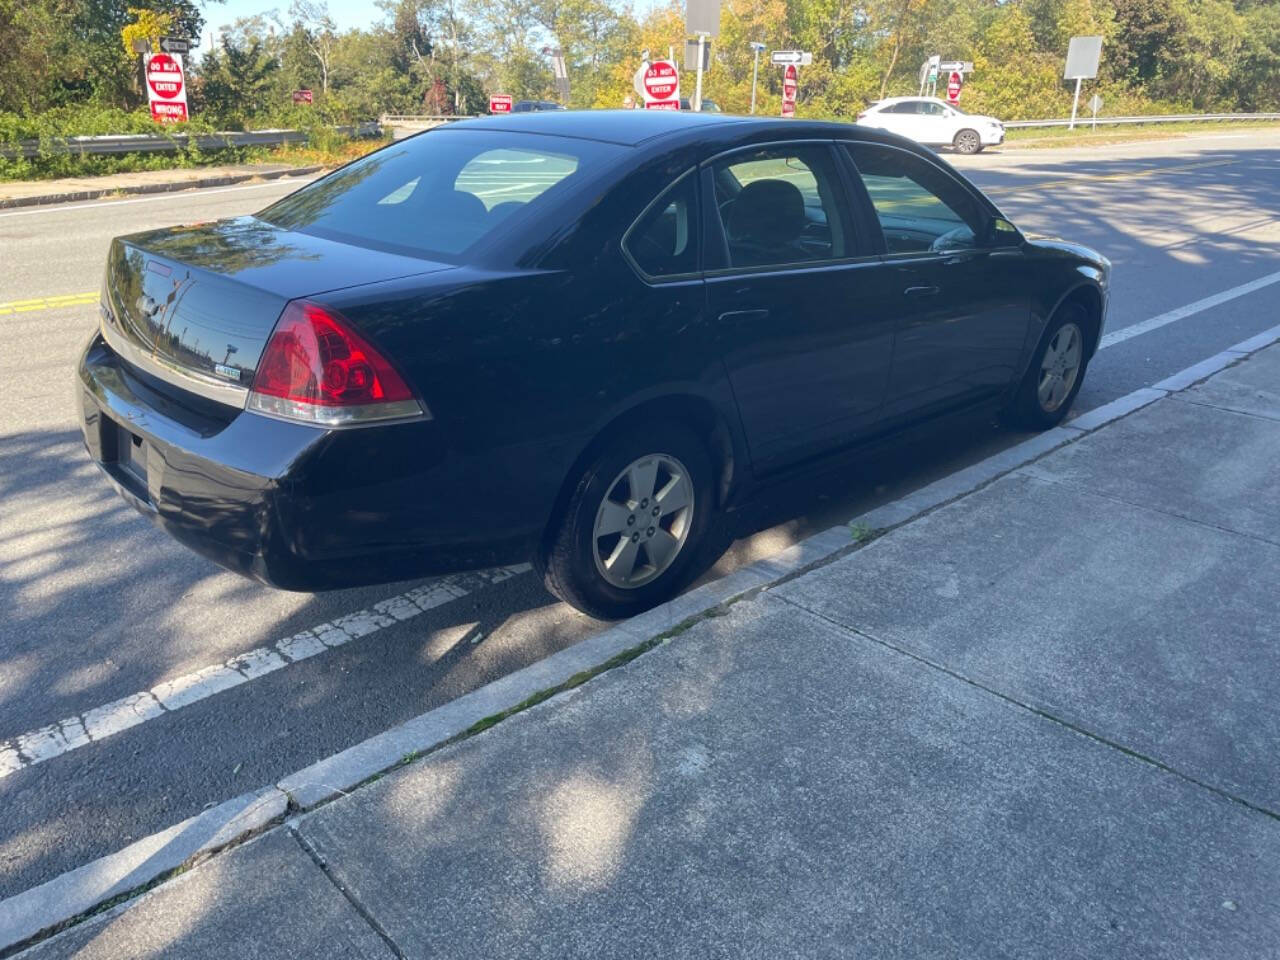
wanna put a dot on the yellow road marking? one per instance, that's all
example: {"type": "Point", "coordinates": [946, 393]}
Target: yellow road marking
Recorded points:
{"type": "Point", "coordinates": [47, 303]}
{"type": "Point", "coordinates": [1086, 178]}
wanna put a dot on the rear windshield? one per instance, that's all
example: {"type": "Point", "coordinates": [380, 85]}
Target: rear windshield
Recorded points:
{"type": "Point", "coordinates": [439, 194]}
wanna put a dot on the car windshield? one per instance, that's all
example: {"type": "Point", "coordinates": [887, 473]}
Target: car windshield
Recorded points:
{"type": "Point", "coordinates": [439, 194]}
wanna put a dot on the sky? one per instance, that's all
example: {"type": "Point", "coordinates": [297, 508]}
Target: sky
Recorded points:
{"type": "Point", "coordinates": [346, 13]}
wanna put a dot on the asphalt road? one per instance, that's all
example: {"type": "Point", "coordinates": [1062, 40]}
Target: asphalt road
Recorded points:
{"type": "Point", "coordinates": [96, 605]}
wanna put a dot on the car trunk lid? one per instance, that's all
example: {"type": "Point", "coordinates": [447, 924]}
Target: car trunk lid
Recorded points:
{"type": "Point", "coordinates": [194, 306]}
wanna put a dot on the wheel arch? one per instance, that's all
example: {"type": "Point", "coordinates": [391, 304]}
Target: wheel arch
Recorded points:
{"type": "Point", "coordinates": [707, 420]}
{"type": "Point", "coordinates": [1089, 297]}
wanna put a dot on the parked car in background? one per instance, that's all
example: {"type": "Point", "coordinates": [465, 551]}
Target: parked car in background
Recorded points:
{"type": "Point", "coordinates": [577, 339]}
{"type": "Point", "coordinates": [535, 106]}
{"type": "Point", "coordinates": [708, 105]}
{"type": "Point", "coordinates": [934, 123]}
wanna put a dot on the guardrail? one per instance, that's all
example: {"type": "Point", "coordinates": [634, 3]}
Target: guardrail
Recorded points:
{"type": "Point", "coordinates": [390, 119]}
{"type": "Point", "coordinates": [171, 143]}
{"type": "Point", "coordinates": [1086, 119]}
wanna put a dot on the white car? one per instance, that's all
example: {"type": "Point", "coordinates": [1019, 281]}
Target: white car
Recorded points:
{"type": "Point", "coordinates": [934, 122]}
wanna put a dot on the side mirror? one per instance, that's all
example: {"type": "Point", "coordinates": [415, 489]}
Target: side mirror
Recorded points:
{"type": "Point", "coordinates": [1002, 233]}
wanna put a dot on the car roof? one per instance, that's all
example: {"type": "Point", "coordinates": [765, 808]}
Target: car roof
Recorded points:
{"type": "Point", "coordinates": [881, 103]}
{"type": "Point", "coordinates": [653, 129]}
{"type": "Point", "coordinates": [625, 127]}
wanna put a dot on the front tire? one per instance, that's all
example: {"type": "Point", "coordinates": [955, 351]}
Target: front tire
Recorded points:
{"type": "Point", "coordinates": [1056, 373]}
{"type": "Point", "coordinates": [635, 523]}
{"type": "Point", "coordinates": [967, 142]}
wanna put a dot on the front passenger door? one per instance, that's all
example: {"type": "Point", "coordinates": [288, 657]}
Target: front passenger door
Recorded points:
{"type": "Point", "coordinates": [963, 305]}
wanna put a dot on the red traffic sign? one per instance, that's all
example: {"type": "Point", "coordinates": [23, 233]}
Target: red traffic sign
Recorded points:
{"type": "Point", "coordinates": [303, 96]}
{"type": "Point", "coordinates": [662, 83]}
{"type": "Point", "coordinates": [166, 90]}
{"type": "Point", "coordinates": [164, 76]}
{"type": "Point", "coordinates": [954, 83]}
{"type": "Point", "coordinates": [500, 103]}
{"type": "Point", "coordinates": [790, 85]}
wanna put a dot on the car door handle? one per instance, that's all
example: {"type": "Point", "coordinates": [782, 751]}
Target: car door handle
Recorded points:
{"type": "Point", "coordinates": [744, 316]}
{"type": "Point", "coordinates": [924, 291]}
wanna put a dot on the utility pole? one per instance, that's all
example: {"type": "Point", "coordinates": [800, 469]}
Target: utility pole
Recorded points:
{"type": "Point", "coordinates": [755, 71]}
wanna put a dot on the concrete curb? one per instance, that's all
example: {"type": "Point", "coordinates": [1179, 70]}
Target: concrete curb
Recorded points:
{"type": "Point", "coordinates": [45, 908]}
{"type": "Point", "coordinates": [56, 904]}
{"type": "Point", "coordinates": [173, 186]}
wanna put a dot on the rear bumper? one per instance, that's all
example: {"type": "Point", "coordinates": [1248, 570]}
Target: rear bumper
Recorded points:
{"type": "Point", "coordinates": [294, 506]}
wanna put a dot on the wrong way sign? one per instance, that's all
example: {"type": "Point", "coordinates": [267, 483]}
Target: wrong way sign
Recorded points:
{"type": "Point", "coordinates": [500, 103]}
{"type": "Point", "coordinates": [166, 88]}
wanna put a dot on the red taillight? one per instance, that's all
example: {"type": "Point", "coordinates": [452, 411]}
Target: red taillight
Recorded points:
{"type": "Point", "coordinates": [317, 369]}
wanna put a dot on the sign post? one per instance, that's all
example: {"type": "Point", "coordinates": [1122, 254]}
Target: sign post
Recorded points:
{"type": "Point", "coordinates": [790, 85]}
{"type": "Point", "coordinates": [166, 88]}
{"type": "Point", "coordinates": [1083, 54]}
{"type": "Point", "coordinates": [756, 49]}
{"type": "Point", "coordinates": [1095, 105]}
{"type": "Point", "coordinates": [499, 103]}
{"type": "Point", "coordinates": [698, 88]}
{"type": "Point", "coordinates": [661, 86]}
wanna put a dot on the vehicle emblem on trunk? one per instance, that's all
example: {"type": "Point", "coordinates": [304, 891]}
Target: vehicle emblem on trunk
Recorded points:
{"type": "Point", "coordinates": [231, 373]}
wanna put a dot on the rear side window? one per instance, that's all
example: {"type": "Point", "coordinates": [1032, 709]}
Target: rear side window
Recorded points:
{"type": "Point", "coordinates": [781, 205]}
{"type": "Point", "coordinates": [439, 194]}
{"type": "Point", "coordinates": [664, 241]}
{"type": "Point", "coordinates": [919, 207]}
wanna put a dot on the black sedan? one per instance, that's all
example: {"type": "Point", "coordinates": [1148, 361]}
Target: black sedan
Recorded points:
{"type": "Point", "coordinates": [572, 336]}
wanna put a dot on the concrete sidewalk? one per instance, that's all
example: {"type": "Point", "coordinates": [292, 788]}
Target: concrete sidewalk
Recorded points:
{"type": "Point", "coordinates": [26, 193]}
{"type": "Point", "coordinates": [1040, 721]}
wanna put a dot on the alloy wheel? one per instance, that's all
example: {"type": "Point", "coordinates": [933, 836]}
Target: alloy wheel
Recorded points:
{"type": "Point", "coordinates": [1060, 367]}
{"type": "Point", "coordinates": [967, 142]}
{"type": "Point", "coordinates": [643, 521]}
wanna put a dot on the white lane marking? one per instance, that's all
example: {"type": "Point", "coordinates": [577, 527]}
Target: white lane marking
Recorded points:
{"type": "Point", "coordinates": [58, 738]}
{"type": "Point", "coordinates": [167, 195]}
{"type": "Point", "coordinates": [1171, 316]}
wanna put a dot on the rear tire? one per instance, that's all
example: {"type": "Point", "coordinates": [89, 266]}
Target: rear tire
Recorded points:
{"type": "Point", "coordinates": [967, 142]}
{"type": "Point", "coordinates": [1057, 370]}
{"type": "Point", "coordinates": [635, 524]}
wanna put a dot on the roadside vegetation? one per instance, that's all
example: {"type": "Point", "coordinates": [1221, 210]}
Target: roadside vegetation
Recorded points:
{"type": "Point", "coordinates": [66, 68]}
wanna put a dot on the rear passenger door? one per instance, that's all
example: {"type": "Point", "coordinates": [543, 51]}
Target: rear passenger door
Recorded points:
{"type": "Point", "coordinates": [962, 302]}
{"type": "Point", "coordinates": [786, 274]}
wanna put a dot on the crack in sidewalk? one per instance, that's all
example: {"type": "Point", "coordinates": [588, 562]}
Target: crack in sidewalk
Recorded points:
{"type": "Point", "coordinates": [347, 894]}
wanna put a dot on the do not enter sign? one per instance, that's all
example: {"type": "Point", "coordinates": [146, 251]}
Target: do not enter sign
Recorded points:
{"type": "Point", "coordinates": [661, 86]}
{"type": "Point", "coordinates": [166, 89]}
{"type": "Point", "coordinates": [953, 86]}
